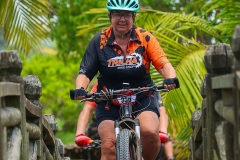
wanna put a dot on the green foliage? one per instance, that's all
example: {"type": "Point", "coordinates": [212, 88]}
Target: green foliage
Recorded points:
{"type": "Point", "coordinates": [66, 135]}
{"type": "Point", "coordinates": [174, 24]}
{"type": "Point", "coordinates": [68, 15]}
{"type": "Point", "coordinates": [166, 5]}
{"type": "Point", "coordinates": [225, 15]}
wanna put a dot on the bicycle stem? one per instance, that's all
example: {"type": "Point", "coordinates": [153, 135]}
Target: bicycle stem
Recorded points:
{"type": "Point", "coordinates": [126, 111]}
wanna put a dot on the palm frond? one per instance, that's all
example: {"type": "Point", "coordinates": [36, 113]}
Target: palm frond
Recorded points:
{"type": "Point", "coordinates": [187, 59]}
{"type": "Point", "coordinates": [188, 62]}
{"type": "Point", "coordinates": [99, 22]}
{"type": "Point", "coordinates": [26, 23]}
{"type": "Point", "coordinates": [3, 11]}
{"type": "Point", "coordinates": [177, 22]}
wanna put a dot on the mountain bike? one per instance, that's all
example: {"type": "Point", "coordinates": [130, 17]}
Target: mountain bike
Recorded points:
{"type": "Point", "coordinates": [127, 129]}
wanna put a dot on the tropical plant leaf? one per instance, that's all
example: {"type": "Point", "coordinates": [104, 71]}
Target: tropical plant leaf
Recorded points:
{"type": "Point", "coordinates": [188, 62]}
{"type": "Point", "coordinates": [3, 11]}
{"type": "Point", "coordinates": [184, 24]}
{"type": "Point", "coordinates": [224, 15]}
{"type": "Point", "coordinates": [26, 23]}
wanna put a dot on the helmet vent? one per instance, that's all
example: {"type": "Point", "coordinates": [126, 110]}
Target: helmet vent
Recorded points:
{"type": "Point", "coordinates": [133, 5]}
{"type": "Point", "coordinates": [111, 3]}
{"type": "Point", "coordinates": [118, 2]}
{"type": "Point", "coordinates": [128, 2]}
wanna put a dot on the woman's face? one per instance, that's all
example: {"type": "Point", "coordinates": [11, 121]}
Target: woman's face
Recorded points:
{"type": "Point", "coordinates": [122, 21]}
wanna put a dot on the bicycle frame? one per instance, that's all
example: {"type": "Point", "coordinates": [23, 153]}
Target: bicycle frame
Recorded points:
{"type": "Point", "coordinates": [127, 122]}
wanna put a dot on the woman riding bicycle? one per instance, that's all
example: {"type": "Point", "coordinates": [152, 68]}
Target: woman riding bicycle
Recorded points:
{"type": "Point", "coordinates": [82, 140]}
{"type": "Point", "coordinates": [123, 53]}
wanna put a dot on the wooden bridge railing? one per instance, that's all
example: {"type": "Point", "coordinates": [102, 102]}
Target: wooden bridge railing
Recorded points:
{"type": "Point", "coordinates": [216, 127]}
{"type": "Point", "coordinates": [25, 133]}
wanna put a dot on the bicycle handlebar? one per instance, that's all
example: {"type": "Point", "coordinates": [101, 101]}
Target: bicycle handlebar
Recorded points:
{"type": "Point", "coordinates": [104, 95]}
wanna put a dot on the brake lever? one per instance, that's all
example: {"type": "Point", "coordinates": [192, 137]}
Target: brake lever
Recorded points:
{"type": "Point", "coordinates": [162, 90]}
{"type": "Point", "coordinates": [86, 99]}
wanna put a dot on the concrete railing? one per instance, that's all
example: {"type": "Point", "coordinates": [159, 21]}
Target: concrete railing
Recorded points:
{"type": "Point", "coordinates": [216, 127]}
{"type": "Point", "coordinates": [25, 134]}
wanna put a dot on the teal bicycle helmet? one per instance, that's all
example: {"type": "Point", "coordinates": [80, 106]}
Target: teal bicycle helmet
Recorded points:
{"type": "Point", "coordinates": [125, 5]}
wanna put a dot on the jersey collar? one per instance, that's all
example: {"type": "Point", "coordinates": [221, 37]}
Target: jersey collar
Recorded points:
{"type": "Point", "coordinates": [112, 37]}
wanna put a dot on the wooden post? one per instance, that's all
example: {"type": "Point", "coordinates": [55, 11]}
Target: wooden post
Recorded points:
{"type": "Point", "coordinates": [196, 138]}
{"type": "Point", "coordinates": [236, 90]}
{"type": "Point", "coordinates": [1, 130]}
{"type": "Point", "coordinates": [21, 119]}
{"type": "Point", "coordinates": [33, 92]}
{"type": "Point", "coordinates": [204, 118]}
{"type": "Point", "coordinates": [218, 60]}
{"type": "Point", "coordinates": [10, 69]}
{"type": "Point", "coordinates": [204, 129]}
{"type": "Point", "coordinates": [14, 144]}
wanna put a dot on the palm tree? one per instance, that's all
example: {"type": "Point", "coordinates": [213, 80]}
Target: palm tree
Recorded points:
{"type": "Point", "coordinates": [24, 24]}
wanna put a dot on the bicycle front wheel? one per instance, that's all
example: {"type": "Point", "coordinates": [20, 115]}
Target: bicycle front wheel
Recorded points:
{"type": "Point", "coordinates": [126, 145]}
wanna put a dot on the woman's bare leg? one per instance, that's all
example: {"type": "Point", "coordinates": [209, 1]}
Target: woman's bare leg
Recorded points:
{"type": "Point", "coordinates": [149, 134]}
{"type": "Point", "coordinates": [107, 136]}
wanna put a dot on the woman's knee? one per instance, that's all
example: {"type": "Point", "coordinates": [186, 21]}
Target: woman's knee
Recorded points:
{"type": "Point", "coordinates": [149, 134]}
{"type": "Point", "coordinates": [108, 146]}
{"type": "Point", "coordinates": [149, 125]}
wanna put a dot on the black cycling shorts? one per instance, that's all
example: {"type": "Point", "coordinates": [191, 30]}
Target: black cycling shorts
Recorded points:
{"type": "Point", "coordinates": [144, 103]}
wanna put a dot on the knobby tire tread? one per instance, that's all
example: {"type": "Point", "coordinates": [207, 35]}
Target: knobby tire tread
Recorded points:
{"type": "Point", "coordinates": [124, 145]}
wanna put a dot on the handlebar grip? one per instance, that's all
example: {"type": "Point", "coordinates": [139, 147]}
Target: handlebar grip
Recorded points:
{"type": "Point", "coordinates": [160, 87]}
{"type": "Point", "coordinates": [72, 94]}
{"type": "Point", "coordinates": [176, 81]}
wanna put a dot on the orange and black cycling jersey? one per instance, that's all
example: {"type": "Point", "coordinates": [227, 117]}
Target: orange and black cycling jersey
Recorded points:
{"type": "Point", "coordinates": [103, 54]}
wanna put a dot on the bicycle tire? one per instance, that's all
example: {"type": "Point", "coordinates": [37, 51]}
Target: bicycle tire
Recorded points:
{"type": "Point", "coordinates": [160, 153]}
{"type": "Point", "coordinates": [126, 145]}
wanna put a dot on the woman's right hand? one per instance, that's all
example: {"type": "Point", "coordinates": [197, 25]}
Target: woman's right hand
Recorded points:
{"type": "Point", "coordinates": [80, 93]}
